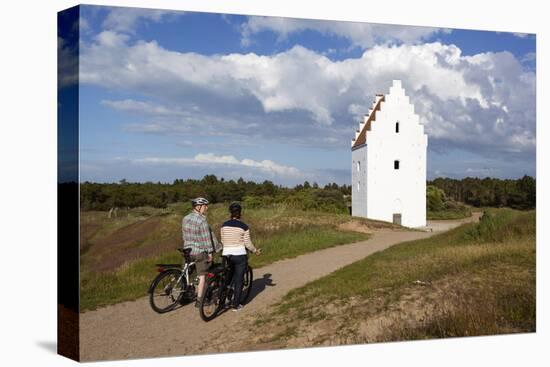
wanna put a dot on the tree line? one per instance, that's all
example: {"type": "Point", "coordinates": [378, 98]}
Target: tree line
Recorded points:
{"type": "Point", "coordinates": [519, 193]}
{"type": "Point", "coordinates": [493, 192]}
{"type": "Point", "coordinates": [103, 196]}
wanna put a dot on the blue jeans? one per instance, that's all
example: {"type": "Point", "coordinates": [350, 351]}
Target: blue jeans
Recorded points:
{"type": "Point", "coordinates": [239, 264]}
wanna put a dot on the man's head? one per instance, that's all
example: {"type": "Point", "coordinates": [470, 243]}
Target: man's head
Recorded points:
{"type": "Point", "coordinates": [235, 210]}
{"type": "Point", "coordinates": [200, 205]}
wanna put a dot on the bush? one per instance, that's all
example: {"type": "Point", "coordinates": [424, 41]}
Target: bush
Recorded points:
{"type": "Point", "coordinates": [254, 202]}
{"type": "Point", "coordinates": [327, 200]}
{"type": "Point", "coordinates": [435, 198]}
{"type": "Point", "coordinates": [439, 206]}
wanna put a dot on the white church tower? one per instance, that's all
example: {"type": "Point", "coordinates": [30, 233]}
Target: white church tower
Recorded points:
{"type": "Point", "coordinates": [389, 162]}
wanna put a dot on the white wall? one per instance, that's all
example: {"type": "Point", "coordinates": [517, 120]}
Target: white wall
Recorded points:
{"type": "Point", "coordinates": [389, 190]}
{"type": "Point", "coordinates": [359, 182]}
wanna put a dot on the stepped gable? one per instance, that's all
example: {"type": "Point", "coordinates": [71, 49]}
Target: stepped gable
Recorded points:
{"type": "Point", "coordinates": [365, 125]}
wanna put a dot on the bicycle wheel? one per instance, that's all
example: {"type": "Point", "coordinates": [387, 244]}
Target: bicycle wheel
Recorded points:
{"type": "Point", "coordinates": [211, 302]}
{"type": "Point", "coordinates": [247, 285]}
{"type": "Point", "coordinates": [166, 290]}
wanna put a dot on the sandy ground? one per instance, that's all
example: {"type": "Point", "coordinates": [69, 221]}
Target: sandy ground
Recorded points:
{"type": "Point", "coordinates": [134, 330]}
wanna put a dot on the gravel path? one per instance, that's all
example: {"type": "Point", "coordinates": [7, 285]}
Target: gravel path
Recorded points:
{"type": "Point", "coordinates": [134, 330]}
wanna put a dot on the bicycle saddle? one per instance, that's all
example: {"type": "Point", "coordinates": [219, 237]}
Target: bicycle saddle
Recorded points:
{"type": "Point", "coordinates": [185, 251]}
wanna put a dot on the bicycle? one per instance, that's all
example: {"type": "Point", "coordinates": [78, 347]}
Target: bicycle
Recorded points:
{"type": "Point", "coordinates": [218, 291]}
{"type": "Point", "coordinates": [173, 285]}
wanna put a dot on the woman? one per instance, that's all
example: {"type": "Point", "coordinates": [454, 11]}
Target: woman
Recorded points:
{"type": "Point", "coordinates": [235, 237]}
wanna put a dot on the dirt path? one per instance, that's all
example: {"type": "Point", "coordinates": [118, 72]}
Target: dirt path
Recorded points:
{"type": "Point", "coordinates": [134, 330]}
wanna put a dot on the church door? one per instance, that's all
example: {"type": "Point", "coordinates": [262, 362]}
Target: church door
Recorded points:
{"type": "Point", "coordinates": [397, 218]}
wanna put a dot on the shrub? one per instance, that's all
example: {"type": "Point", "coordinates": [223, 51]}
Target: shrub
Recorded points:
{"type": "Point", "coordinates": [254, 202]}
{"type": "Point", "coordinates": [435, 198]}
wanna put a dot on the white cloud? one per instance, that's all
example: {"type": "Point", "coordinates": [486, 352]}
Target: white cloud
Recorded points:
{"type": "Point", "coordinates": [272, 80]}
{"type": "Point", "coordinates": [84, 26]}
{"type": "Point", "coordinates": [140, 107]}
{"type": "Point", "coordinates": [125, 19]}
{"type": "Point", "coordinates": [210, 159]}
{"type": "Point", "coordinates": [529, 57]}
{"type": "Point", "coordinates": [481, 103]}
{"type": "Point", "coordinates": [361, 35]}
{"type": "Point", "coordinates": [174, 120]}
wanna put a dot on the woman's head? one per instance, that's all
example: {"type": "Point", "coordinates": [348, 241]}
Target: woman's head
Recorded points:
{"type": "Point", "coordinates": [235, 210]}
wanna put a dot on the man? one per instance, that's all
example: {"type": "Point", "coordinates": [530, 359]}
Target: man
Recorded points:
{"type": "Point", "coordinates": [235, 236]}
{"type": "Point", "coordinates": [198, 236]}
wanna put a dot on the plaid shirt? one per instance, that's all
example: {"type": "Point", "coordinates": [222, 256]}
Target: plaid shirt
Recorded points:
{"type": "Point", "coordinates": [197, 234]}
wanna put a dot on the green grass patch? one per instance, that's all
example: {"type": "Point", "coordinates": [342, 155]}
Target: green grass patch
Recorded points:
{"type": "Point", "coordinates": [306, 239]}
{"type": "Point", "coordinates": [503, 236]}
{"type": "Point", "coordinates": [449, 214]}
{"type": "Point", "coordinates": [127, 283]}
{"type": "Point", "coordinates": [500, 225]}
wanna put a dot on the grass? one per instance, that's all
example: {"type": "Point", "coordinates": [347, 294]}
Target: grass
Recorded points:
{"type": "Point", "coordinates": [301, 241]}
{"type": "Point", "coordinates": [449, 214]}
{"type": "Point", "coordinates": [280, 233]}
{"type": "Point", "coordinates": [490, 267]}
{"type": "Point", "coordinates": [460, 249]}
{"type": "Point", "coordinates": [508, 306]}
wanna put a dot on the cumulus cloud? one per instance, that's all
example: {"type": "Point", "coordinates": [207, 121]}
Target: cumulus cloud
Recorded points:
{"type": "Point", "coordinates": [361, 35]}
{"type": "Point", "coordinates": [126, 19]}
{"type": "Point", "coordinates": [209, 159]}
{"type": "Point", "coordinates": [483, 103]}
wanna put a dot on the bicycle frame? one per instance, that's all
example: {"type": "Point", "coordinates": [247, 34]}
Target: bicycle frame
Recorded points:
{"type": "Point", "coordinates": [185, 272]}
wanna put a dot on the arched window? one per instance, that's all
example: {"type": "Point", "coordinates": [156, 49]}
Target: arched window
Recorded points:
{"type": "Point", "coordinates": [358, 166]}
{"type": "Point", "coordinates": [397, 127]}
{"type": "Point", "coordinates": [396, 164]}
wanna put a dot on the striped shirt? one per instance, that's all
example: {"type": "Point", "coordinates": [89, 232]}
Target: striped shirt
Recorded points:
{"type": "Point", "coordinates": [236, 238]}
{"type": "Point", "coordinates": [197, 234]}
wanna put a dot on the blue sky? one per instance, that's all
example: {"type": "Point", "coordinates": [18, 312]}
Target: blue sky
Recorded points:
{"type": "Point", "coordinates": [166, 95]}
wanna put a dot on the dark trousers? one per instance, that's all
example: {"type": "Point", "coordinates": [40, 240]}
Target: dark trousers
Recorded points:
{"type": "Point", "coordinates": [239, 264]}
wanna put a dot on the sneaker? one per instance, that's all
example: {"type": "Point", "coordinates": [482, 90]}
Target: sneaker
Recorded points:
{"type": "Point", "coordinates": [236, 308]}
{"type": "Point", "coordinates": [198, 303]}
